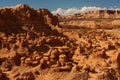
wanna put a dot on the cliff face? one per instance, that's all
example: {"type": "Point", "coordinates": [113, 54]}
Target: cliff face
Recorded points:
{"type": "Point", "coordinates": [100, 14]}
{"type": "Point", "coordinates": [103, 19]}
{"type": "Point", "coordinates": [12, 19]}
{"type": "Point", "coordinates": [92, 14]}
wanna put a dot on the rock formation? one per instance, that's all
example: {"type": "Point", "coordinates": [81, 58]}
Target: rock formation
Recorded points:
{"type": "Point", "coordinates": [103, 19]}
{"type": "Point", "coordinates": [23, 18]}
{"type": "Point", "coordinates": [33, 46]}
{"type": "Point", "coordinates": [93, 14]}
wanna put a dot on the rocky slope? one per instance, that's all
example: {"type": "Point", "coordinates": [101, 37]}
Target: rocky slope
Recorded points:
{"type": "Point", "coordinates": [34, 47]}
{"type": "Point", "coordinates": [24, 35]}
{"type": "Point", "coordinates": [17, 17]}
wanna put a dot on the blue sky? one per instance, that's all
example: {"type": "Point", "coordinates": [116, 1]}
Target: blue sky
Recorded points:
{"type": "Point", "coordinates": [64, 4]}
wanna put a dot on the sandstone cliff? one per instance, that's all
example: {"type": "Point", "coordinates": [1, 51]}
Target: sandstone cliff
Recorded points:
{"type": "Point", "coordinates": [105, 19]}
{"type": "Point", "coordinates": [100, 14]}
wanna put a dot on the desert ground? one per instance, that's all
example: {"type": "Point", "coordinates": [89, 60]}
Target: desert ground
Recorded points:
{"type": "Point", "coordinates": [37, 45]}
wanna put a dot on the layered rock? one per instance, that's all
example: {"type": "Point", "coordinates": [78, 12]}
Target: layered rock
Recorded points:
{"type": "Point", "coordinates": [98, 14]}
{"type": "Point", "coordinates": [102, 19]}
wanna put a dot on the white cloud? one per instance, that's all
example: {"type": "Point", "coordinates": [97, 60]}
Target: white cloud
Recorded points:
{"type": "Point", "coordinates": [71, 11]}
{"type": "Point", "coordinates": [66, 12]}
{"type": "Point", "coordinates": [86, 9]}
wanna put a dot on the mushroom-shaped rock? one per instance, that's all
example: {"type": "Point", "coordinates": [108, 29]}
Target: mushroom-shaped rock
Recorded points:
{"type": "Point", "coordinates": [28, 61]}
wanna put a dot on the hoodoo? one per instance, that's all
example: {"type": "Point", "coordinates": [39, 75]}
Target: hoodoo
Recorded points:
{"type": "Point", "coordinates": [34, 47]}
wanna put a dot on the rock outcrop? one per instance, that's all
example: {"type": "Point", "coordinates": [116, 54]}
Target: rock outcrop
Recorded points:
{"type": "Point", "coordinates": [93, 14]}
{"type": "Point", "coordinates": [102, 19]}
{"type": "Point", "coordinates": [23, 17]}
{"type": "Point", "coordinates": [24, 34]}
{"type": "Point", "coordinates": [33, 48]}
{"type": "Point", "coordinates": [100, 14]}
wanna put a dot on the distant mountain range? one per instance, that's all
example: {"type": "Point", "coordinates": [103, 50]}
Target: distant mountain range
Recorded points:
{"type": "Point", "coordinates": [111, 14]}
{"type": "Point", "coordinates": [100, 14]}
